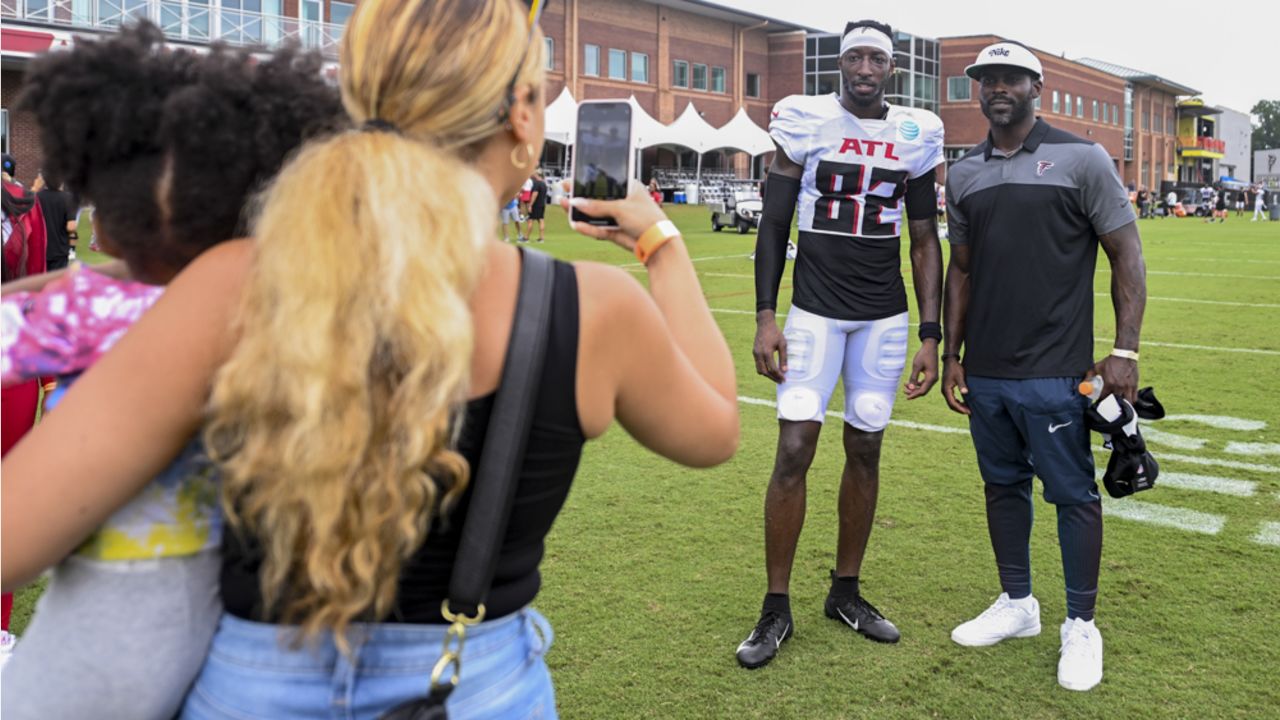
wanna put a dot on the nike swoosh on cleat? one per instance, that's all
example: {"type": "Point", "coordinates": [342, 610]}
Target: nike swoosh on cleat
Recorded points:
{"type": "Point", "coordinates": [777, 643]}
{"type": "Point", "coordinates": [851, 623]}
{"type": "Point", "coordinates": [1055, 428]}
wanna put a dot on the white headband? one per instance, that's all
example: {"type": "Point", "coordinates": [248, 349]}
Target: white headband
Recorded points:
{"type": "Point", "coordinates": [867, 37]}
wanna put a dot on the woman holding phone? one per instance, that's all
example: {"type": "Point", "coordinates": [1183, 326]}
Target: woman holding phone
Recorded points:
{"type": "Point", "coordinates": [345, 400]}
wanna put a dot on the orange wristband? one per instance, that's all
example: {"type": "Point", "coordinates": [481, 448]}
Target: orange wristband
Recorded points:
{"type": "Point", "coordinates": [653, 238]}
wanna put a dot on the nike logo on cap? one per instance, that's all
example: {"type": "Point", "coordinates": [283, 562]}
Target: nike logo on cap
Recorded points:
{"type": "Point", "coordinates": [1055, 428]}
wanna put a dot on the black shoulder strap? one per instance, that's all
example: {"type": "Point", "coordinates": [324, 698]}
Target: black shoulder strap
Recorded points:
{"type": "Point", "coordinates": [493, 485]}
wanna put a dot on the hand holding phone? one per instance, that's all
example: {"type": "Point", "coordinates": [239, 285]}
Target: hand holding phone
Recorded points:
{"type": "Point", "coordinates": [633, 215]}
{"type": "Point", "coordinates": [603, 154]}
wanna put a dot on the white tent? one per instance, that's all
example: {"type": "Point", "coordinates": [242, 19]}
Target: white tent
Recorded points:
{"type": "Point", "coordinates": [561, 120]}
{"type": "Point", "coordinates": [691, 131]}
{"type": "Point", "coordinates": [741, 133]}
{"type": "Point", "coordinates": [649, 132]}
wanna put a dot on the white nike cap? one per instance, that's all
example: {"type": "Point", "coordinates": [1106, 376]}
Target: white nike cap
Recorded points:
{"type": "Point", "coordinates": [1007, 54]}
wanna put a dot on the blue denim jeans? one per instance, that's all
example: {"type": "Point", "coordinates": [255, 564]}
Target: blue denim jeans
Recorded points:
{"type": "Point", "coordinates": [251, 672]}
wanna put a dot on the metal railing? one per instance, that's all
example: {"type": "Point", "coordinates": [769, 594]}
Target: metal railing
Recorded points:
{"type": "Point", "coordinates": [184, 20]}
{"type": "Point", "coordinates": [1202, 143]}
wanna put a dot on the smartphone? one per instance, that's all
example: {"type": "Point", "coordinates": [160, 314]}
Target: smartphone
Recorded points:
{"type": "Point", "coordinates": [603, 152]}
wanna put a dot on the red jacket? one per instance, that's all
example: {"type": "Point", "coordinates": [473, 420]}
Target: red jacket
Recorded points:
{"type": "Point", "coordinates": [28, 234]}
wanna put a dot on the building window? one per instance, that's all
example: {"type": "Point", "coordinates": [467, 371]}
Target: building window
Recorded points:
{"type": "Point", "coordinates": [699, 77]}
{"type": "Point", "coordinates": [753, 85]}
{"type": "Point", "coordinates": [340, 12]}
{"type": "Point", "coordinates": [4, 130]}
{"type": "Point", "coordinates": [1036, 104]}
{"type": "Point", "coordinates": [1158, 117]}
{"type": "Point", "coordinates": [1146, 121]}
{"type": "Point", "coordinates": [549, 62]}
{"type": "Point", "coordinates": [1115, 114]}
{"type": "Point", "coordinates": [1095, 111]}
{"type": "Point", "coordinates": [680, 74]}
{"type": "Point", "coordinates": [959, 88]}
{"type": "Point", "coordinates": [717, 79]}
{"type": "Point", "coordinates": [617, 64]}
{"type": "Point", "coordinates": [591, 60]}
{"type": "Point", "coordinates": [1056, 107]}
{"type": "Point", "coordinates": [1079, 107]}
{"type": "Point", "coordinates": [639, 67]}
{"type": "Point", "coordinates": [1067, 111]}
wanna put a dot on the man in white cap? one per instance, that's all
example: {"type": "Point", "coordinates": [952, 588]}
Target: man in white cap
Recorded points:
{"type": "Point", "coordinates": [1027, 210]}
{"type": "Point", "coordinates": [852, 163]}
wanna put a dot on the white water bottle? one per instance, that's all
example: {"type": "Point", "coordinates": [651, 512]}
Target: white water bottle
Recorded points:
{"type": "Point", "coordinates": [1091, 388]}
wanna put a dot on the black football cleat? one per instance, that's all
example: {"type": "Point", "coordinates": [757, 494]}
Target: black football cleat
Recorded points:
{"type": "Point", "coordinates": [862, 616]}
{"type": "Point", "coordinates": [762, 644]}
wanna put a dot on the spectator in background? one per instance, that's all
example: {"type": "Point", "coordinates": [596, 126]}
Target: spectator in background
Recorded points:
{"type": "Point", "coordinates": [1170, 202]}
{"type": "Point", "coordinates": [1144, 203]}
{"type": "Point", "coordinates": [526, 194]}
{"type": "Point", "coordinates": [1241, 197]}
{"type": "Point", "coordinates": [654, 191]}
{"type": "Point", "coordinates": [23, 255]}
{"type": "Point", "coordinates": [60, 221]}
{"type": "Point", "coordinates": [510, 213]}
{"type": "Point", "coordinates": [537, 208]}
{"type": "Point", "coordinates": [1259, 204]}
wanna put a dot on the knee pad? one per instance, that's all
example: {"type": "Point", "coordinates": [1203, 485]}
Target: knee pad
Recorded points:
{"type": "Point", "coordinates": [799, 404]}
{"type": "Point", "coordinates": [869, 410]}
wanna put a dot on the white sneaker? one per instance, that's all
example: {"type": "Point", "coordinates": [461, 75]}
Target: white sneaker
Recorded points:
{"type": "Point", "coordinates": [1004, 619]}
{"type": "Point", "coordinates": [1080, 667]}
{"type": "Point", "coordinates": [7, 642]}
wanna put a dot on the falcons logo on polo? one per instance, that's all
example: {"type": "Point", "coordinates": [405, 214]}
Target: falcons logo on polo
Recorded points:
{"type": "Point", "coordinates": [1042, 167]}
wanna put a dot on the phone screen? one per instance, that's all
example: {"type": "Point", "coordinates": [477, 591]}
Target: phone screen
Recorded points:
{"type": "Point", "coordinates": [602, 151]}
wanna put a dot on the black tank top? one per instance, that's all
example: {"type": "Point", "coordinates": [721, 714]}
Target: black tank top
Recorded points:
{"type": "Point", "coordinates": [554, 449]}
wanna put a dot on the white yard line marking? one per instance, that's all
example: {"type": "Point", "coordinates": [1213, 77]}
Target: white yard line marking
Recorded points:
{"type": "Point", "coordinates": [1103, 271]}
{"type": "Point", "coordinates": [1222, 422]}
{"type": "Point", "coordinates": [1268, 534]}
{"type": "Point", "coordinates": [1211, 348]}
{"type": "Point", "coordinates": [1180, 518]}
{"type": "Point", "coordinates": [833, 413]}
{"type": "Point", "coordinates": [1207, 483]}
{"type": "Point", "coordinates": [697, 259]}
{"type": "Point", "coordinates": [1233, 464]}
{"type": "Point", "coordinates": [1173, 440]}
{"type": "Point", "coordinates": [1203, 302]}
{"type": "Point", "coordinates": [1244, 448]}
{"type": "Point", "coordinates": [728, 275]}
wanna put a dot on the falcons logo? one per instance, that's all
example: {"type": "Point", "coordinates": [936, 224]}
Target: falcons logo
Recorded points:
{"type": "Point", "coordinates": [1042, 167]}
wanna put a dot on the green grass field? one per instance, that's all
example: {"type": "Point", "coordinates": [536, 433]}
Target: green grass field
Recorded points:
{"type": "Point", "coordinates": [654, 573]}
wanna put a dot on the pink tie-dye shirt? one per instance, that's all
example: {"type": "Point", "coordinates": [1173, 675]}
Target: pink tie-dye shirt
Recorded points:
{"type": "Point", "coordinates": [68, 325]}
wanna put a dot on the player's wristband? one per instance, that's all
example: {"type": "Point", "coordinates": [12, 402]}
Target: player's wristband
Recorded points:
{"type": "Point", "coordinates": [948, 356]}
{"type": "Point", "coordinates": [1126, 354]}
{"type": "Point", "coordinates": [653, 238]}
{"type": "Point", "coordinates": [930, 330]}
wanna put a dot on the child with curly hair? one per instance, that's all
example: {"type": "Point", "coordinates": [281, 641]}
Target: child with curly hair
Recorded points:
{"type": "Point", "coordinates": [170, 148]}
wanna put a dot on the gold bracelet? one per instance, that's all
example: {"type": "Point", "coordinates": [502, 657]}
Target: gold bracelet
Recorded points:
{"type": "Point", "coordinates": [1126, 354]}
{"type": "Point", "coordinates": [653, 238]}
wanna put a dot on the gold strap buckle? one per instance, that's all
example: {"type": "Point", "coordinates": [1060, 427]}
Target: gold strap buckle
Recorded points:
{"type": "Point", "coordinates": [455, 637]}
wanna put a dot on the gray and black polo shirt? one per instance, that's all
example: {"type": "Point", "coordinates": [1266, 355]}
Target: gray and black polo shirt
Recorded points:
{"type": "Point", "coordinates": [1032, 221]}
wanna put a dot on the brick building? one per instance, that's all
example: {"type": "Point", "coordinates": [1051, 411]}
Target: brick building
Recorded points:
{"type": "Point", "coordinates": [669, 54]}
{"type": "Point", "coordinates": [1152, 146]}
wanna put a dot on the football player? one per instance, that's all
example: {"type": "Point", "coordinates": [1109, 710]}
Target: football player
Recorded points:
{"type": "Point", "coordinates": [851, 162]}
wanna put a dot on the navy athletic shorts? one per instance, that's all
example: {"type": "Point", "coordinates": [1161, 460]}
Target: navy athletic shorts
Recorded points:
{"type": "Point", "coordinates": [1031, 427]}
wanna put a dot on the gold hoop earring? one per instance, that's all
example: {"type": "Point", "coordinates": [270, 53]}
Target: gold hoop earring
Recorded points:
{"type": "Point", "coordinates": [522, 164]}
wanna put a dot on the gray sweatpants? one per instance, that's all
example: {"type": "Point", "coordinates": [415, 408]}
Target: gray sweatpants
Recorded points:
{"type": "Point", "coordinates": [118, 639]}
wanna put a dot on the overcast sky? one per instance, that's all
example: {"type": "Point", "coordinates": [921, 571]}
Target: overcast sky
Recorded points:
{"type": "Point", "coordinates": [1227, 50]}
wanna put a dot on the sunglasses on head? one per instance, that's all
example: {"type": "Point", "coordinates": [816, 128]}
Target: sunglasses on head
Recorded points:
{"type": "Point", "coordinates": [535, 13]}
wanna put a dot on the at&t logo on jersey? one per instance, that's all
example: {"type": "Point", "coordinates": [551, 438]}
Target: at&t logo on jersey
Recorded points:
{"type": "Point", "coordinates": [909, 130]}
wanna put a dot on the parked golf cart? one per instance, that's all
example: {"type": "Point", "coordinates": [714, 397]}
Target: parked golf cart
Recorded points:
{"type": "Point", "coordinates": [741, 210]}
